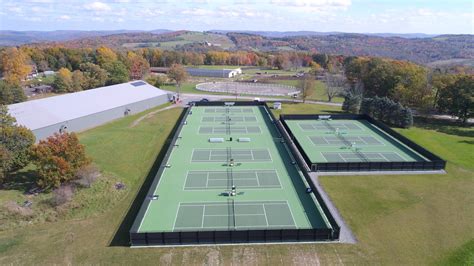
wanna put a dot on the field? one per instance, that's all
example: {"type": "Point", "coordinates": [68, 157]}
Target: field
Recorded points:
{"type": "Point", "coordinates": [187, 38]}
{"type": "Point", "coordinates": [409, 219]}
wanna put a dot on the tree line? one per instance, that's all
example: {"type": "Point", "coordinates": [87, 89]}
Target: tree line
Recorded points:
{"type": "Point", "coordinates": [410, 85]}
{"type": "Point", "coordinates": [78, 69]}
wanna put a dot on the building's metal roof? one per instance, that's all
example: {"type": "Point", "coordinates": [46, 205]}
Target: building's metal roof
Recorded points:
{"type": "Point", "coordinates": [53, 110]}
{"type": "Point", "coordinates": [210, 72]}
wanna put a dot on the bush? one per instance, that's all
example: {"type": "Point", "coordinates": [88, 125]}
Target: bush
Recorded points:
{"type": "Point", "coordinates": [87, 175]}
{"type": "Point", "coordinates": [387, 111]}
{"type": "Point", "coordinates": [62, 195]}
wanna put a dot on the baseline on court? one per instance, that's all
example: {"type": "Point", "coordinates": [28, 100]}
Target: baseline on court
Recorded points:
{"type": "Point", "coordinates": [247, 179]}
{"type": "Point", "coordinates": [337, 141]}
{"type": "Point", "coordinates": [232, 214]}
{"type": "Point", "coordinates": [335, 157]}
{"type": "Point", "coordinates": [224, 155]}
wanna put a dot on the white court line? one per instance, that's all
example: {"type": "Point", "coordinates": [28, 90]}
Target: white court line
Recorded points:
{"type": "Point", "coordinates": [291, 212]}
{"type": "Point", "coordinates": [207, 179]}
{"type": "Point", "coordinates": [256, 177]}
{"type": "Point", "coordinates": [265, 212]}
{"type": "Point", "coordinates": [176, 217]}
{"type": "Point", "coordinates": [226, 215]}
{"type": "Point", "coordinates": [203, 214]}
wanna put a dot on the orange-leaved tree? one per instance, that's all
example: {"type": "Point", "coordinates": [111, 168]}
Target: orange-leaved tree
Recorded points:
{"type": "Point", "coordinates": [58, 158]}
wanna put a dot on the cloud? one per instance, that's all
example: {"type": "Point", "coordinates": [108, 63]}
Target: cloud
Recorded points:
{"type": "Point", "coordinates": [198, 12]}
{"type": "Point", "coordinates": [313, 3]}
{"type": "Point", "coordinates": [97, 6]}
{"type": "Point", "coordinates": [65, 17]}
{"type": "Point", "coordinates": [148, 12]}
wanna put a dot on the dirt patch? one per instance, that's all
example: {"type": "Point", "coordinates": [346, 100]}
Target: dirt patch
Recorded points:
{"type": "Point", "coordinates": [302, 257]}
{"type": "Point", "coordinates": [14, 208]}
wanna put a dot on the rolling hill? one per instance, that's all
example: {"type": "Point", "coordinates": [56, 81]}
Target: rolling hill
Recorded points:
{"type": "Point", "coordinates": [419, 48]}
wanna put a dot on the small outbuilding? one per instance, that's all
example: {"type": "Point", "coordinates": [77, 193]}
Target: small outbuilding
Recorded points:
{"type": "Point", "coordinates": [79, 111]}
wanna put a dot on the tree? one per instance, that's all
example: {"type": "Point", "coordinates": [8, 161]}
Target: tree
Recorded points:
{"type": "Point", "coordinates": [306, 86]}
{"type": "Point", "coordinates": [457, 99]}
{"type": "Point", "coordinates": [117, 71]}
{"type": "Point", "coordinates": [15, 143]}
{"type": "Point", "coordinates": [353, 96]}
{"type": "Point", "coordinates": [335, 84]}
{"type": "Point", "coordinates": [58, 158]}
{"type": "Point", "coordinates": [388, 111]}
{"type": "Point", "coordinates": [179, 74]}
{"type": "Point", "coordinates": [137, 65]}
{"type": "Point", "coordinates": [105, 55]}
{"type": "Point", "coordinates": [78, 80]}
{"type": "Point", "coordinates": [11, 93]}
{"type": "Point", "coordinates": [14, 65]}
{"type": "Point", "coordinates": [315, 68]}
{"type": "Point", "coordinates": [63, 81]}
{"type": "Point", "coordinates": [94, 76]}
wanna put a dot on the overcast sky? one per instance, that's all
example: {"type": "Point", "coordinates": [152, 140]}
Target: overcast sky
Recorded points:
{"type": "Point", "coordinates": [394, 16]}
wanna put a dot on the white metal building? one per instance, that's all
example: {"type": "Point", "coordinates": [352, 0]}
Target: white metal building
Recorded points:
{"type": "Point", "coordinates": [215, 73]}
{"type": "Point", "coordinates": [86, 109]}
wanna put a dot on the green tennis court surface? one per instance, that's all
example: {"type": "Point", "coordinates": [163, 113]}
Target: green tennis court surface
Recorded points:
{"type": "Point", "coordinates": [193, 191]}
{"type": "Point", "coordinates": [234, 215]}
{"type": "Point", "coordinates": [349, 141]}
{"type": "Point", "coordinates": [248, 179]}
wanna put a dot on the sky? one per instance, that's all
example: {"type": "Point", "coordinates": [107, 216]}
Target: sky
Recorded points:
{"type": "Point", "coordinates": [362, 16]}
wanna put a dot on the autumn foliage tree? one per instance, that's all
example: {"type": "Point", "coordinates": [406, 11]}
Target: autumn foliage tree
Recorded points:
{"type": "Point", "coordinates": [58, 158]}
{"type": "Point", "coordinates": [137, 65]}
{"type": "Point", "coordinates": [14, 64]}
{"type": "Point", "coordinates": [15, 144]}
{"type": "Point", "coordinates": [178, 73]}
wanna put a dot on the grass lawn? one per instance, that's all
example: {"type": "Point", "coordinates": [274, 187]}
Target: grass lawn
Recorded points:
{"type": "Point", "coordinates": [318, 94]}
{"type": "Point", "coordinates": [398, 220]}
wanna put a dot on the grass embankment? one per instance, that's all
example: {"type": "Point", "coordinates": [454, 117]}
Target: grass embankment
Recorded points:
{"type": "Point", "coordinates": [406, 219]}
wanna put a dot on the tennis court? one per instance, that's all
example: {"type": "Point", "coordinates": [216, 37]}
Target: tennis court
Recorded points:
{"type": "Point", "coordinates": [229, 129]}
{"type": "Point", "coordinates": [243, 179]}
{"type": "Point", "coordinates": [233, 215]}
{"type": "Point", "coordinates": [343, 140]}
{"type": "Point", "coordinates": [224, 155]}
{"type": "Point", "coordinates": [243, 182]}
{"type": "Point", "coordinates": [228, 118]}
{"type": "Point", "coordinates": [231, 110]}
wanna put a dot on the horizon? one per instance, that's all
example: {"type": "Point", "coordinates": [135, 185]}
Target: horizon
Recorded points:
{"type": "Point", "coordinates": [344, 16]}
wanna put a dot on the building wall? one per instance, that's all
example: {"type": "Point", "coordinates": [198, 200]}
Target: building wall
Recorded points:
{"type": "Point", "coordinates": [97, 119]}
{"type": "Point", "coordinates": [216, 73]}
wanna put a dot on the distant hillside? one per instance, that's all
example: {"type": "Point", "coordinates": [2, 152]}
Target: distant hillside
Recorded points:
{"type": "Point", "coordinates": [423, 49]}
{"type": "Point", "coordinates": [283, 34]}
{"type": "Point", "coordinates": [420, 50]}
{"type": "Point", "coordinates": [13, 38]}
{"type": "Point", "coordinates": [169, 40]}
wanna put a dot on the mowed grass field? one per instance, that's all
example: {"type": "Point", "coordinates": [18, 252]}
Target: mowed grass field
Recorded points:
{"type": "Point", "coordinates": [398, 220]}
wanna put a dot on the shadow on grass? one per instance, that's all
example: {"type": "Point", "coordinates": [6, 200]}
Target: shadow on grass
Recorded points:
{"type": "Point", "coordinates": [21, 180]}
{"type": "Point", "coordinates": [122, 235]}
{"type": "Point", "coordinates": [445, 126]}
